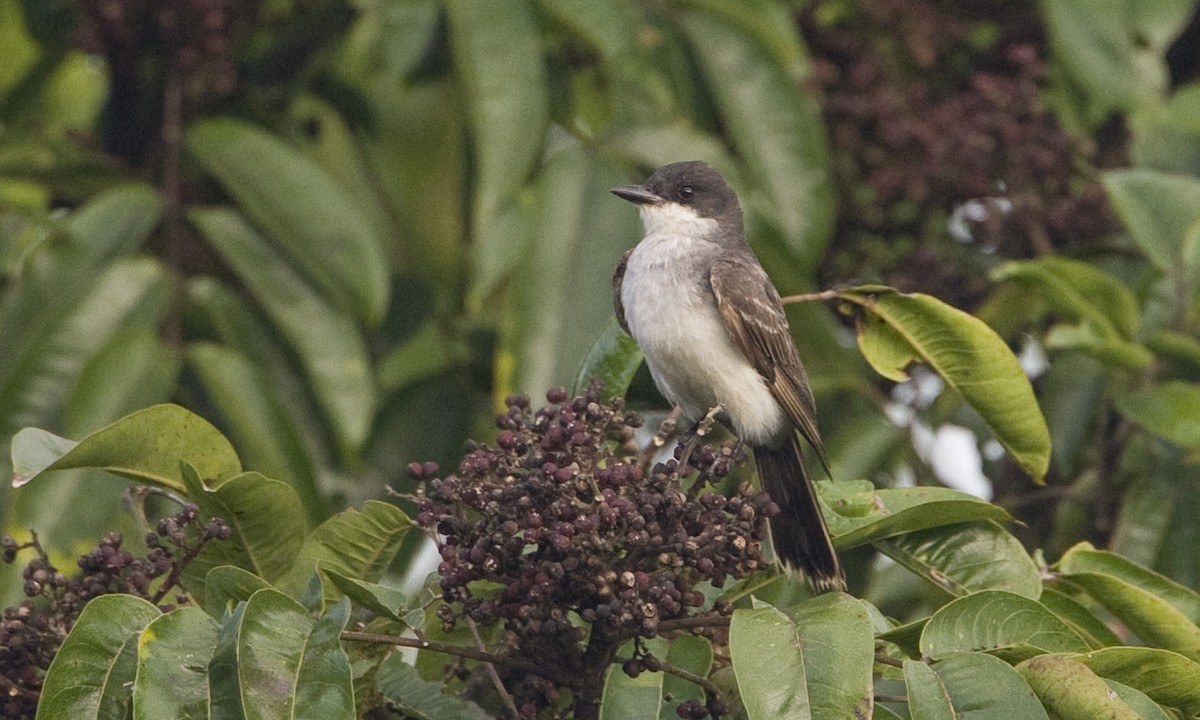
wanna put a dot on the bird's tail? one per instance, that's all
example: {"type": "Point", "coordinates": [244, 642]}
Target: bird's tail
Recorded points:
{"type": "Point", "coordinates": [799, 533]}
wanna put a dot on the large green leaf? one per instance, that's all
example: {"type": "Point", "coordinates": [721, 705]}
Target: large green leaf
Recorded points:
{"type": "Point", "coordinates": [278, 662]}
{"type": "Point", "coordinates": [1167, 410]}
{"type": "Point", "coordinates": [307, 215]}
{"type": "Point", "coordinates": [968, 355]}
{"type": "Point", "coordinates": [966, 558]}
{"type": "Point", "coordinates": [1071, 691]}
{"type": "Point", "coordinates": [1104, 308]}
{"type": "Point", "coordinates": [777, 130]}
{"type": "Point", "coordinates": [1161, 211]}
{"type": "Point", "coordinates": [147, 445]}
{"type": "Point", "coordinates": [355, 544]}
{"type": "Point", "coordinates": [93, 671]}
{"type": "Point", "coordinates": [326, 341]}
{"type": "Point", "coordinates": [497, 56]}
{"type": "Point", "coordinates": [863, 514]}
{"type": "Point", "coordinates": [1081, 619]}
{"type": "Point", "coordinates": [997, 621]}
{"type": "Point", "coordinates": [1161, 612]}
{"type": "Point", "coordinates": [227, 585]}
{"type": "Point", "coordinates": [419, 699]}
{"type": "Point", "coordinates": [1168, 678]}
{"type": "Point", "coordinates": [969, 685]}
{"type": "Point", "coordinates": [694, 654]}
{"type": "Point", "coordinates": [266, 519]}
{"type": "Point", "coordinates": [768, 661]}
{"type": "Point", "coordinates": [263, 431]}
{"type": "Point", "coordinates": [614, 359]}
{"type": "Point", "coordinates": [172, 675]}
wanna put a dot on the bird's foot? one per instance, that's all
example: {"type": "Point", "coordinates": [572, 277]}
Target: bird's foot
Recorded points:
{"type": "Point", "coordinates": [697, 433]}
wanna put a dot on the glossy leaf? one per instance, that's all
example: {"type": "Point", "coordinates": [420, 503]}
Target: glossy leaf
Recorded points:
{"type": "Point", "coordinates": [419, 699]}
{"type": "Point", "coordinates": [966, 558]}
{"type": "Point", "coordinates": [971, 358]}
{"type": "Point", "coordinates": [227, 585]}
{"type": "Point", "coordinates": [1080, 618]}
{"type": "Point", "coordinates": [1158, 209]}
{"type": "Point", "coordinates": [971, 685]}
{"type": "Point", "coordinates": [264, 515]}
{"type": "Point", "coordinates": [326, 341]}
{"type": "Point", "coordinates": [839, 651]}
{"type": "Point", "coordinates": [1141, 703]}
{"type": "Point", "coordinates": [994, 620]}
{"type": "Point", "coordinates": [1167, 410]}
{"type": "Point", "coordinates": [1084, 558]}
{"type": "Point", "coordinates": [862, 514]}
{"type": "Point", "coordinates": [380, 599]}
{"type": "Point", "coordinates": [775, 129]}
{"type": "Point", "coordinates": [172, 674]}
{"type": "Point", "coordinates": [1070, 691]}
{"type": "Point", "coordinates": [694, 654]}
{"type": "Point", "coordinates": [614, 359]}
{"type": "Point", "coordinates": [147, 445]}
{"type": "Point", "coordinates": [308, 216]}
{"type": "Point", "coordinates": [768, 661]}
{"type": "Point", "coordinates": [355, 544]}
{"type": "Point", "coordinates": [95, 667]}
{"type": "Point", "coordinates": [1168, 678]}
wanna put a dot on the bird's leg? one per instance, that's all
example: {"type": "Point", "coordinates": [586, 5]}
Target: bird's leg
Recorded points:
{"type": "Point", "coordinates": [696, 434]}
{"type": "Point", "coordinates": [666, 430]}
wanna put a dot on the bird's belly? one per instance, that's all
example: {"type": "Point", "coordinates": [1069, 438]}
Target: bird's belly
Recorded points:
{"type": "Point", "coordinates": [692, 358]}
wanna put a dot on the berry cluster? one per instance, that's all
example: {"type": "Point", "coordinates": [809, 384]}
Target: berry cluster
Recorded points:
{"type": "Point", "coordinates": [559, 533]}
{"type": "Point", "coordinates": [32, 631]}
{"type": "Point", "coordinates": [935, 126]}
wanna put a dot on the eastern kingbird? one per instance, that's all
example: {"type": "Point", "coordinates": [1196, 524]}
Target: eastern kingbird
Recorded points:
{"type": "Point", "coordinates": [714, 334]}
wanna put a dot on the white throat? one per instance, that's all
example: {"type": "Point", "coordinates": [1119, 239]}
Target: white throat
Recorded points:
{"type": "Point", "coordinates": [671, 218]}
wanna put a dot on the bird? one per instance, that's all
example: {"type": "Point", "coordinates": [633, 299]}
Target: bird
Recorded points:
{"type": "Point", "coordinates": [715, 338]}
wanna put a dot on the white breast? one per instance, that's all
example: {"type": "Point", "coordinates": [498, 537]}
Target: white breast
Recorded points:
{"type": "Point", "coordinates": [670, 311]}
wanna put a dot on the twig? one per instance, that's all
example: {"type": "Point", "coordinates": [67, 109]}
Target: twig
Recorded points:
{"type": "Point", "coordinates": [532, 668]}
{"type": "Point", "coordinates": [810, 297]}
{"type": "Point", "coordinates": [696, 621]}
{"type": "Point", "coordinates": [888, 660]}
{"type": "Point", "coordinates": [891, 698]}
{"type": "Point", "coordinates": [490, 669]}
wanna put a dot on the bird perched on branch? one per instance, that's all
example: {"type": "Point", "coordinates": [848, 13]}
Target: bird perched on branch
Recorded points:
{"type": "Point", "coordinates": [716, 340]}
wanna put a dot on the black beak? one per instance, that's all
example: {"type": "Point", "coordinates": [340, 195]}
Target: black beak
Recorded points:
{"type": "Point", "coordinates": [636, 194]}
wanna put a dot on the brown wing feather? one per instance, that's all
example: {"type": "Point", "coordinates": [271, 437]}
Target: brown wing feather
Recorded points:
{"type": "Point", "coordinates": [754, 316]}
{"type": "Point", "coordinates": [618, 278]}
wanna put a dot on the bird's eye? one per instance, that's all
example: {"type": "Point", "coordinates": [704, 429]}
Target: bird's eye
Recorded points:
{"type": "Point", "coordinates": [686, 193]}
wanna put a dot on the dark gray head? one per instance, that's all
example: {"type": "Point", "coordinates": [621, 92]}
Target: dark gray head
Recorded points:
{"type": "Point", "coordinates": [683, 192]}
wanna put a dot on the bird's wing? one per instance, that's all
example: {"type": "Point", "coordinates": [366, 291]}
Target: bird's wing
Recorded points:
{"type": "Point", "coordinates": [618, 278]}
{"type": "Point", "coordinates": [753, 315]}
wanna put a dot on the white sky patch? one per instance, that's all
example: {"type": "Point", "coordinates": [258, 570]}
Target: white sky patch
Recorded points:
{"type": "Point", "coordinates": [955, 459]}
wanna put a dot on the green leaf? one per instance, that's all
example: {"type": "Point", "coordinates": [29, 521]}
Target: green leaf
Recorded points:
{"type": "Point", "coordinates": [1168, 678]}
{"type": "Point", "coordinates": [227, 585]}
{"type": "Point", "coordinates": [400, 685]}
{"type": "Point", "coordinates": [768, 661]}
{"type": "Point", "coordinates": [354, 544]}
{"type": "Point", "coordinates": [172, 673]}
{"type": "Point", "coordinates": [1141, 703]}
{"type": "Point", "coordinates": [972, 685]}
{"type": "Point", "coordinates": [639, 697]}
{"type": "Point", "coordinates": [1105, 310]}
{"type": "Point", "coordinates": [328, 344]}
{"type": "Point", "coordinates": [609, 27]}
{"type": "Point", "coordinates": [1159, 210]}
{"type": "Point", "coordinates": [283, 662]}
{"type": "Point", "coordinates": [863, 514]}
{"type": "Point", "coordinates": [263, 430]}
{"type": "Point", "coordinates": [1079, 617]}
{"type": "Point", "coordinates": [497, 57]}
{"type": "Point", "coordinates": [115, 221]}
{"type": "Point", "coordinates": [614, 359]}
{"type": "Point", "coordinates": [147, 445]}
{"type": "Point", "coordinates": [266, 518]}
{"type": "Point", "coordinates": [994, 620]}
{"type": "Point", "coordinates": [777, 130]}
{"type": "Point", "coordinates": [1167, 410]}
{"type": "Point", "coordinates": [838, 643]}
{"type": "Point", "coordinates": [307, 215]}
{"type": "Point", "coordinates": [1070, 691]}
{"type": "Point", "coordinates": [94, 669]}
{"type": "Point", "coordinates": [380, 599]}
{"type": "Point", "coordinates": [971, 358]}
{"type": "Point", "coordinates": [694, 654]}
{"type": "Point", "coordinates": [966, 558]}
{"type": "Point", "coordinates": [1162, 613]}
{"type": "Point", "coordinates": [427, 352]}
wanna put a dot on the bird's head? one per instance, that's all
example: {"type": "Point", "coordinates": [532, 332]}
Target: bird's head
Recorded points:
{"type": "Point", "coordinates": [686, 198]}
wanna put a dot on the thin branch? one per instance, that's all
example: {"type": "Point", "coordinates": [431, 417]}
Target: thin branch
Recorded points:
{"type": "Point", "coordinates": [888, 660]}
{"type": "Point", "coordinates": [490, 669]}
{"type": "Point", "coordinates": [696, 621]}
{"type": "Point", "coordinates": [811, 297]}
{"type": "Point", "coordinates": [891, 698]}
{"type": "Point", "coordinates": [532, 668]}
{"type": "Point", "coordinates": [679, 672]}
